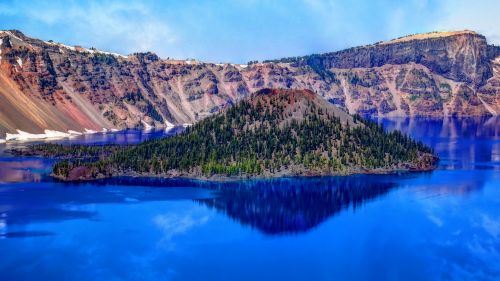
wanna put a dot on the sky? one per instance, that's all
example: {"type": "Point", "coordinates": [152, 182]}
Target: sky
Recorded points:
{"type": "Point", "coordinates": [238, 31]}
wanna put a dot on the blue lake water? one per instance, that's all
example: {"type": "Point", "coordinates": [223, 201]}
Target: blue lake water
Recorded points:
{"type": "Point", "coordinates": [443, 225]}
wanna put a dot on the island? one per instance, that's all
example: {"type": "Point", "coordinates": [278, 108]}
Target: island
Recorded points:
{"type": "Point", "coordinates": [270, 133]}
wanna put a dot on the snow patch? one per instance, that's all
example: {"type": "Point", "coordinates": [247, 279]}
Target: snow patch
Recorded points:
{"type": "Point", "coordinates": [60, 45]}
{"type": "Point", "coordinates": [10, 34]}
{"type": "Point", "coordinates": [83, 50]}
{"type": "Point", "coordinates": [187, 125]}
{"type": "Point", "coordinates": [168, 124]}
{"type": "Point", "coordinates": [94, 51]}
{"type": "Point", "coordinates": [20, 62]}
{"type": "Point", "coordinates": [74, 133]}
{"type": "Point", "coordinates": [112, 54]}
{"type": "Point", "coordinates": [88, 50]}
{"type": "Point", "coordinates": [55, 134]}
{"type": "Point", "coordinates": [146, 125]}
{"type": "Point", "coordinates": [104, 130]}
{"type": "Point", "coordinates": [24, 136]}
{"type": "Point", "coordinates": [114, 130]}
{"type": "Point", "coordinates": [47, 134]}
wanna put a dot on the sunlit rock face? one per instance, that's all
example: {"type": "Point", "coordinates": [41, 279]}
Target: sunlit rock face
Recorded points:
{"type": "Point", "coordinates": [46, 85]}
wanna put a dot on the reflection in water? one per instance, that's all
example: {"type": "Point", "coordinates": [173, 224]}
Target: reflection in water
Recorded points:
{"type": "Point", "coordinates": [24, 204]}
{"type": "Point", "coordinates": [32, 169]}
{"type": "Point", "coordinates": [130, 229]}
{"type": "Point", "coordinates": [276, 206]}
{"type": "Point", "coordinates": [461, 143]}
{"type": "Point", "coordinates": [23, 169]}
{"type": "Point", "coordinates": [293, 205]}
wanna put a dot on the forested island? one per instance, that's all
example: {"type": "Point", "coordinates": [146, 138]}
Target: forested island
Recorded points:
{"type": "Point", "coordinates": [271, 133]}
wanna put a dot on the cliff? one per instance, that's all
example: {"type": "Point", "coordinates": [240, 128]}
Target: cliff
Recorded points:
{"type": "Point", "coordinates": [47, 85]}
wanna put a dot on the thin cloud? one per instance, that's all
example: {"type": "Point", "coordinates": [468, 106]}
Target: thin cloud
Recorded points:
{"type": "Point", "coordinates": [116, 26]}
{"type": "Point", "coordinates": [238, 31]}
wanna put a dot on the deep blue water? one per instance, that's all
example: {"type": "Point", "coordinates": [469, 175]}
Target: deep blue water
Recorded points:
{"type": "Point", "coordinates": [443, 225]}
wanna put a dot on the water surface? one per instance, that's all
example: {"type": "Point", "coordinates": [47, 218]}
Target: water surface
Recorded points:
{"type": "Point", "coordinates": [443, 225]}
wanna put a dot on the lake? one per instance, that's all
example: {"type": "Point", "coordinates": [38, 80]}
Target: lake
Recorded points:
{"type": "Point", "coordinates": [441, 225]}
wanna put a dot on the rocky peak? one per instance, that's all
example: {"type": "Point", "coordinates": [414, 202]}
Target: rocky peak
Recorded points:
{"type": "Point", "coordinates": [462, 56]}
{"type": "Point", "coordinates": [48, 85]}
{"type": "Point", "coordinates": [296, 104]}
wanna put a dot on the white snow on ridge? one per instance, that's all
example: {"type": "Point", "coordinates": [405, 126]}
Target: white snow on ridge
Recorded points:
{"type": "Point", "coordinates": [60, 45]}
{"type": "Point", "coordinates": [84, 50]}
{"type": "Point", "coordinates": [112, 54]}
{"type": "Point", "coordinates": [87, 131]}
{"type": "Point", "coordinates": [10, 34]}
{"type": "Point", "coordinates": [168, 124]}
{"type": "Point", "coordinates": [146, 125]}
{"type": "Point", "coordinates": [94, 51]}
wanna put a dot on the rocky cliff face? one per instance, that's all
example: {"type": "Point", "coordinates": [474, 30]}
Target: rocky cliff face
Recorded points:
{"type": "Point", "coordinates": [46, 85]}
{"type": "Point", "coordinates": [459, 56]}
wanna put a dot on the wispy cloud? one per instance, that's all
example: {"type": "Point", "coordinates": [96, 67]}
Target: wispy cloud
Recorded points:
{"type": "Point", "coordinates": [481, 16]}
{"type": "Point", "coordinates": [238, 30]}
{"type": "Point", "coordinates": [115, 26]}
{"type": "Point", "coordinates": [174, 224]}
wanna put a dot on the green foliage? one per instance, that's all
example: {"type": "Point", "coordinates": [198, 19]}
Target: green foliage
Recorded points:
{"type": "Point", "coordinates": [104, 58]}
{"type": "Point", "coordinates": [77, 151]}
{"type": "Point", "coordinates": [250, 139]}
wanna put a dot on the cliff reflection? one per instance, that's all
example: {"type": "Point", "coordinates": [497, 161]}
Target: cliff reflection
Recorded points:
{"type": "Point", "coordinates": [293, 205]}
{"type": "Point", "coordinates": [461, 143]}
{"type": "Point", "coordinates": [22, 170]}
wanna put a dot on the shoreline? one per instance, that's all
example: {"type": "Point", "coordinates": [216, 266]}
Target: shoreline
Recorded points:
{"type": "Point", "coordinates": [224, 178]}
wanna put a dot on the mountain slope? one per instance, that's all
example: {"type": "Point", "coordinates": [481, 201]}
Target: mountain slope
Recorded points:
{"type": "Point", "coordinates": [272, 133]}
{"type": "Point", "coordinates": [47, 85]}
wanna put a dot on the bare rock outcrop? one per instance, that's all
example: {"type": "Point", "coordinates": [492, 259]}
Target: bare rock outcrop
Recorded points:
{"type": "Point", "coordinates": [47, 85]}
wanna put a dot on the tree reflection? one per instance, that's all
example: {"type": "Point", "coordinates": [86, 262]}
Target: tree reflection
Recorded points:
{"type": "Point", "coordinates": [294, 205]}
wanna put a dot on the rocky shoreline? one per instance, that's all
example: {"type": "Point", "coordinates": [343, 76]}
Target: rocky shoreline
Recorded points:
{"type": "Point", "coordinates": [426, 163]}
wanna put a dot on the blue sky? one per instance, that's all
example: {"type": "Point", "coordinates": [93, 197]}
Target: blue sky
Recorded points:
{"type": "Point", "coordinates": [241, 30]}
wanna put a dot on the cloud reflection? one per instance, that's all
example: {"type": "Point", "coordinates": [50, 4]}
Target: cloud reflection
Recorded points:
{"type": "Point", "coordinates": [174, 224]}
